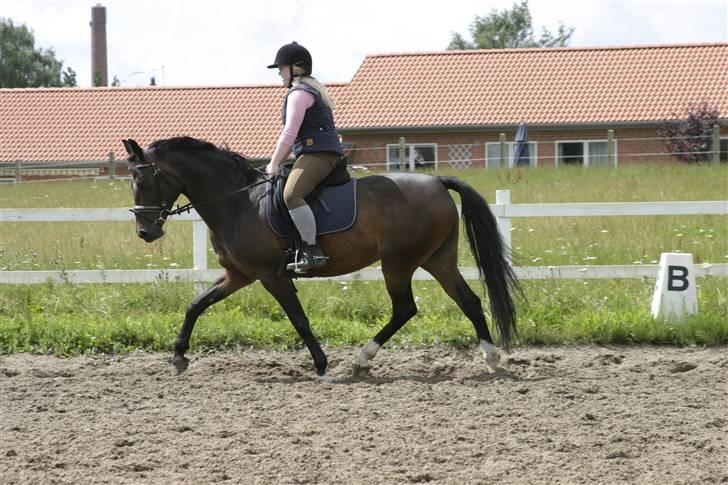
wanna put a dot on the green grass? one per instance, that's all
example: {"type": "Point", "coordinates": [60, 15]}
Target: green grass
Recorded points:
{"type": "Point", "coordinates": [67, 319]}
{"type": "Point", "coordinates": [70, 319]}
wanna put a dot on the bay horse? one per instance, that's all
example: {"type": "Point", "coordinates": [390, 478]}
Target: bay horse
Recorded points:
{"type": "Point", "coordinates": [404, 220]}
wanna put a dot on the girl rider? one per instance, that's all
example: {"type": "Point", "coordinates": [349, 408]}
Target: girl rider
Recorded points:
{"type": "Point", "coordinates": [308, 131]}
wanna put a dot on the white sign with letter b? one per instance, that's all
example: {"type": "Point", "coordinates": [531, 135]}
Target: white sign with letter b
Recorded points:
{"type": "Point", "coordinates": [675, 293]}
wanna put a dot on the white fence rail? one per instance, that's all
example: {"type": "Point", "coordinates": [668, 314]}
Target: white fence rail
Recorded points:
{"type": "Point", "coordinates": [502, 209]}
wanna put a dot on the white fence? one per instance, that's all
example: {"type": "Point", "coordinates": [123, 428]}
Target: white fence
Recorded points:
{"type": "Point", "coordinates": [502, 209]}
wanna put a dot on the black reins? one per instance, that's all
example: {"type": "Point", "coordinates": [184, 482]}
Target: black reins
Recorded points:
{"type": "Point", "coordinates": [163, 212]}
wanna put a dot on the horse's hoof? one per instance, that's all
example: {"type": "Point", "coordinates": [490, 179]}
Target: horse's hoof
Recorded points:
{"type": "Point", "coordinates": [493, 362]}
{"type": "Point", "coordinates": [180, 363]}
{"type": "Point", "coordinates": [495, 368]}
{"type": "Point", "coordinates": [323, 378]}
{"type": "Point", "coordinates": [360, 372]}
{"type": "Point", "coordinates": [492, 355]}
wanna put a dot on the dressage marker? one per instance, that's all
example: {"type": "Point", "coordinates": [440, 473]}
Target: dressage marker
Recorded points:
{"type": "Point", "coordinates": [675, 292]}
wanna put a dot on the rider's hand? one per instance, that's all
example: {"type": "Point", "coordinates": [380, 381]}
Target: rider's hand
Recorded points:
{"type": "Point", "coordinates": [272, 169]}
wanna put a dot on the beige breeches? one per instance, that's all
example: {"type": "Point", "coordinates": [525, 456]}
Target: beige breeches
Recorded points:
{"type": "Point", "coordinates": [309, 170]}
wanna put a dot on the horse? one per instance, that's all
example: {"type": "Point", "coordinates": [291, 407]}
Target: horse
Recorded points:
{"type": "Point", "coordinates": [405, 220]}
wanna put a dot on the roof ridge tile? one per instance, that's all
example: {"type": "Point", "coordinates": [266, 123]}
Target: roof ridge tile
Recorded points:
{"type": "Point", "coordinates": [549, 49]}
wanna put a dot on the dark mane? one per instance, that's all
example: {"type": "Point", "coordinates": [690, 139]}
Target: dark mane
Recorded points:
{"type": "Point", "coordinates": [189, 144]}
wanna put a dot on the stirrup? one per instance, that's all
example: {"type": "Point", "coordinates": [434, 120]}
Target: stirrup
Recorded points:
{"type": "Point", "coordinates": [309, 257]}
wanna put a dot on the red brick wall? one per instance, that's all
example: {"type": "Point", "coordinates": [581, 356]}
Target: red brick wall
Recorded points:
{"type": "Point", "coordinates": [633, 144]}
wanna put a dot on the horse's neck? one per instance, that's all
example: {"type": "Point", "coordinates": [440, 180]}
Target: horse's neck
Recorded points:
{"type": "Point", "coordinates": [206, 186]}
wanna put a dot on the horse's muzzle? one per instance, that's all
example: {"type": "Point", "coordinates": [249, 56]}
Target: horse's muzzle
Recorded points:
{"type": "Point", "coordinates": [149, 236]}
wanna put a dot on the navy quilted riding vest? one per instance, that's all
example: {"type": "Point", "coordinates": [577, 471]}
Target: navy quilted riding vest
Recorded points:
{"type": "Point", "coordinates": [317, 132]}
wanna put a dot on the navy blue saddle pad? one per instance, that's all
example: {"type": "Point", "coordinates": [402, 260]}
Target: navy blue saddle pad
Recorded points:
{"type": "Point", "coordinates": [334, 208]}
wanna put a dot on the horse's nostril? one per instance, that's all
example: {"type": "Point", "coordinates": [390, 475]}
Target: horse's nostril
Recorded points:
{"type": "Point", "coordinates": [142, 233]}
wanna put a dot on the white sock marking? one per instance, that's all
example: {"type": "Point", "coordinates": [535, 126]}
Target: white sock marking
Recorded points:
{"type": "Point", "coordinates": [491, 354]}
{"type": "Point", "coordinates": [367, 353]}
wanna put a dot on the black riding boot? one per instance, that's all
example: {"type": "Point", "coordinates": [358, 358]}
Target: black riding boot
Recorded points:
{"type": "Point", "coordinates": [308, 258]}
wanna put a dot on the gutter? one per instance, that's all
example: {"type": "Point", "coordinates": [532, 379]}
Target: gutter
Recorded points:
{"type": "Point", "coordinates": [509, 126]}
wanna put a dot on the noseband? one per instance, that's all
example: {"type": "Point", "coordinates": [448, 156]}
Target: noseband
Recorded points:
{"type": "Point", "coordinates": [161, 210]}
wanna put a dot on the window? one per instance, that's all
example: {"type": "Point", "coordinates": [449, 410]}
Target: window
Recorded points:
{"type": "Point", "coordinates": [571, 153]}
{"type": "Point", "coordinates": [492, 154]}
{"type": "Point", "coordinates": [590, 153]}
{"type": "Point", "coordinates": [723, 150]}
{"type": "Point", "coordinates": [416, 155]}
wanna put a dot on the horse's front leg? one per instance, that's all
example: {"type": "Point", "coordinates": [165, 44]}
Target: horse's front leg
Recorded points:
{"type": "Point", "coordinates": [224, 286]}
{"type": "Point", "coordinates": [285, 293]}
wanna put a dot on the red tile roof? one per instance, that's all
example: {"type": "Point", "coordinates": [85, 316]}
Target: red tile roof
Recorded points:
{"type": "Point", "coordinates": [86, 124]}
{"type": "Point", "coordinates": [455, 88]}
{"type": "Point", "coordinates": [558, 85]}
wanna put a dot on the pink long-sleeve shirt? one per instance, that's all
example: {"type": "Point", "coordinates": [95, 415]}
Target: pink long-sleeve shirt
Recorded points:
{"type": "Point", "coordinates": [298, 102]}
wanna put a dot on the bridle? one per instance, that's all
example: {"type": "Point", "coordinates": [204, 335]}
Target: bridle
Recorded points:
{"type": "Point", "coordinates": [162, 211]}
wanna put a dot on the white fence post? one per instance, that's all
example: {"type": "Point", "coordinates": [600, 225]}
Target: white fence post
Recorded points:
{"type": "Point", "coordinates": [199, 245]}
{"type": "Point", "coordinates": [503, 197]}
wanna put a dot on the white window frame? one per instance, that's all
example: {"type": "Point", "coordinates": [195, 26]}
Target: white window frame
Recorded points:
{"type": "Point", "coordinates": [510, 146]}
{"type": "Point", "coordinates": [585, 146]}
{"type": "Point", "coordinates": [394, 164]}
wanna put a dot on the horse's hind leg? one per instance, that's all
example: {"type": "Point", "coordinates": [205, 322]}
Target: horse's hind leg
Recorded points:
{"type": "Point", "coordinates": [399, 287]}
{"type": "Point", "coordinates": [220, 289]}
{"type": "Point", "coordinates": [442, 265]}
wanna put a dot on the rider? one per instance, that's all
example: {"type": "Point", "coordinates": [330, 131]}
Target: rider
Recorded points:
{"type": "Point", "coordinates": [308, 131]}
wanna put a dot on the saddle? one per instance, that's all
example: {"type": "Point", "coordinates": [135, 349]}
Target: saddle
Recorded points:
{"type": "Point", "coordinates": [333, 204]}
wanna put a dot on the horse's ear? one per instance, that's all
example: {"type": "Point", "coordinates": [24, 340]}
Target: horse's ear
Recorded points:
{"type": "Point", "coordinates": [127, 147]}
{"type": "Point", "coordinates": [133, 148]}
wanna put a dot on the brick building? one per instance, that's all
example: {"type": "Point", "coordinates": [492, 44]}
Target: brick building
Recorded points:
{"type": "Point", "coordinates": [450, 106]}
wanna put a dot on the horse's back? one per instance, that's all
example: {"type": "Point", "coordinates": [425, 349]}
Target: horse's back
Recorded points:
{"type": "Point", "coordinates": [410, 207]}
{"type": "Point", "coordinates": [402, 218]}
{"type": "Point", "coordinates": [399, 194]}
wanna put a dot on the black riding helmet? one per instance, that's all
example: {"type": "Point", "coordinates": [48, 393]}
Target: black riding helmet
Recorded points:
{"type": "Point", "coordinates": [293, 54]}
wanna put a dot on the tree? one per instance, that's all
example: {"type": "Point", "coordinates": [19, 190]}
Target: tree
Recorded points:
{"type": "Point", "coordinates": [69, 78]}
{"type": "Point", "coordinates": [690, 138]}
{"type": "Point", "coordinates": [509, 29]}
{"type": "Point", "coordinates": [24, 66]}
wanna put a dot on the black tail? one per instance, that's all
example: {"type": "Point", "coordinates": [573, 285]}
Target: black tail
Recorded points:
{"type": "Point", "coordinates": [492, 256]}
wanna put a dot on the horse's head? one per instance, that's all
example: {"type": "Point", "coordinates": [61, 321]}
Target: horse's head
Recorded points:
{"type": "Point", "coordinates": [154, 193]}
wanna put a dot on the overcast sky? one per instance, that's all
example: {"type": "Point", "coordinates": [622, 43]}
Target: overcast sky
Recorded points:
{"type": "Point", "coordinates": [221, 42]}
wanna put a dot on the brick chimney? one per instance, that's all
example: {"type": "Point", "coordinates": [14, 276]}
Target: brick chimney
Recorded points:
{"type": "Point", "coordinates": [99, 71]}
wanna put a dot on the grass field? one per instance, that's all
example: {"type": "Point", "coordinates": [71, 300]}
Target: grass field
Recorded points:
{"type": "Point", "coordinates": [545, 241]}
{"type": "Point", "coordinates": [86, 318]}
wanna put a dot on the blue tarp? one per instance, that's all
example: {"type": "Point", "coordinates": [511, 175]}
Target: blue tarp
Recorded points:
{"type": "Point", "coordinates": [521, 157]}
